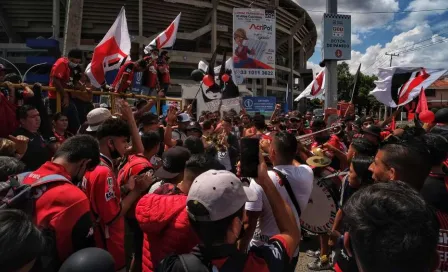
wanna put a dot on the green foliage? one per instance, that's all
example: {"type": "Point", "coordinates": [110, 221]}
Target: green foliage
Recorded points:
{"type": "Point", "coordinates": [366, 84]}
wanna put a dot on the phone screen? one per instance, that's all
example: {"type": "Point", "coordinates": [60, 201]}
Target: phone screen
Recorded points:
{"type": "Point", "coordinates": [249, 157]}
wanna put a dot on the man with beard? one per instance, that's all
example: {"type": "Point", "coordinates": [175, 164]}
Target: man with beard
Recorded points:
{"type": "Point", "coordinates": [102, 188]}
{"type": "Point", "coordinates": [61, 206]}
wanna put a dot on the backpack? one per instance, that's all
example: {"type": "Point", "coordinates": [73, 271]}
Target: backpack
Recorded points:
{"type": "Point", "coordinates": [16, 195]}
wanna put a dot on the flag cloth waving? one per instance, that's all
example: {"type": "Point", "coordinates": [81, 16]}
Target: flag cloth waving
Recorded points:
{"type": "Point", "coordinates": [315, 88]}
{"type": "Point", "coordinates": [165, 39]}
{"type": "Point", "coordinates": [397, 86]}
{"type": "Point", "coordinates": [111, 52]}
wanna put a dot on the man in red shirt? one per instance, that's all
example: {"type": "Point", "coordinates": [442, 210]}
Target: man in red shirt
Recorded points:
{"type": "Point", "coordinates": [60, 206]}
{"type": "Point", "coordinates": [164, 70]}
{"type": "Point", "coordinates": [60, 79]}
{"type": "Point", "coordinates": [138, 164]}
{"type": "Point", "coordinates": [125, 76]}
{"type": "Point", "coordinates": [151, 80]}
{"type": "Point", "coordinates": [103, 191]}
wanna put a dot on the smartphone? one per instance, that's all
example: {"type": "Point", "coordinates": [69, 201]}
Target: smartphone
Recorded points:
{"type": "Point", "coordinates": [249, 157]}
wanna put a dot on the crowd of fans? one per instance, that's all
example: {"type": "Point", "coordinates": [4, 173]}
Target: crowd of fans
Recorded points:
{"type": "Point", "coordinates": [132, 191]}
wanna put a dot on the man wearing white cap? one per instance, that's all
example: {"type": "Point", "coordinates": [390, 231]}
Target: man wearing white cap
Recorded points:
{"type": "Point", "coordinates": [96, 117]}
{"type": "Point", "coordinates": [215, 207]}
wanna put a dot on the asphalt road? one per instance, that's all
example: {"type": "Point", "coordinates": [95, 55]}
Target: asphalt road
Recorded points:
{"type": "Point", "coordinates": [311, 243]}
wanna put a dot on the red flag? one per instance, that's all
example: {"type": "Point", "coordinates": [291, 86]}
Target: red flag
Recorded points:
{"type": "Point", "coordinates": [165, 39]}
{"type": "Point", "coordinates": [110, 53]}
{"type": "Point", "coordinates": [422, 102]}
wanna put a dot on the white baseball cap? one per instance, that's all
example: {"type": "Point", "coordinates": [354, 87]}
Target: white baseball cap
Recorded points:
{"type": "Point", "coordinates": [221, 193]}
{"type": "Point", "coordinates": [96, 117]}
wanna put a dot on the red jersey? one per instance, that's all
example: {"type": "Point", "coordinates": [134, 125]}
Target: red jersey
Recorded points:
{"type": "Point", "coordinates": [59, 206]}
{"type": "Point", "coordinates": [126, 69]}
{"type": "Point", "coordinates": [60, 70]}
{"type": "Point", "coordinates": [164, 69]}
{"type": "Point", "coordinates": [101, 188]}
{"type": "Point", "coordinates": [151, 74]}
{"type": "Point", "coordinates": [135, 165]}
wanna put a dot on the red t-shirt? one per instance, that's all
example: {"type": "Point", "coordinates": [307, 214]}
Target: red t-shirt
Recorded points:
{"type": "Point", "coordinates": [164, 69]}
{"type": "Point", "coordinates": [136, 165]}
{"type": "Point", "coordinates": [125, 69]}
{"type": "Point", "coordinates": [101, 188]}
{"type": "Point", "coordinates": [151, 76]}
{"type": "Point", "coordinates": [59, 206]}
{"type": "Point", "coordinates": [60, 70]}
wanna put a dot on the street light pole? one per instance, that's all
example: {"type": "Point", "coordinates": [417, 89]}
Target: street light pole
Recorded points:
{"type": "Point", "coordinates": [331, 76]}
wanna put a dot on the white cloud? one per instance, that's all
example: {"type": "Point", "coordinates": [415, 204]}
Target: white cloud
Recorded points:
{"type": "Point", "coordinates": [418, 18]}
{"type": "Point", "coordinates": [361, 23]}
{"type": "Point", "coordinates": [356, 39]}
{"type": "Point", "coordinates": [435, 56]}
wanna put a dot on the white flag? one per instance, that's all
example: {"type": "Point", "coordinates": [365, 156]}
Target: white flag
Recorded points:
{"type": "Point", "coordinates": [111, 52]}
{"type": "Point", "coordinates": [165, 39]}
{"type": "Point", "coordinates": [315, 88]}
{"type": "Point", "coordinates": [398, 86]}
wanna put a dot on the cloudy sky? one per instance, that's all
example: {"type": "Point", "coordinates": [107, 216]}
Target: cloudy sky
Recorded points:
{"type": "Point", "coordinates": [374, 34]}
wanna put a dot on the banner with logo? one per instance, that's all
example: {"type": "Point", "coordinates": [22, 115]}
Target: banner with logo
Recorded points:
{"type": "Point", "coordinates": [254, 43]}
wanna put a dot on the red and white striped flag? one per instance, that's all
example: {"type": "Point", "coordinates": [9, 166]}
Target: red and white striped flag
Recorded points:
{"type": "Point", "coordinates": [315, 88]}
{"type": "Point", "coordinates": [397, 86]}
{"type": "Point", "coordinates": [422, 102]}
{"type": "Point", "coordinates": [111, 52]}
{"type": "Point", "coordinates": [165, 39]}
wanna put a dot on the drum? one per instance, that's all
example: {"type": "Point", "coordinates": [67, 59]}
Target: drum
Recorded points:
{"type": "Point", "coordinates": [320, 213]}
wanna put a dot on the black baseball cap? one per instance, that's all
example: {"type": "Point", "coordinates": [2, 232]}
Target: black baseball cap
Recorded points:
{"type": "Point", "coordinates": [173, 160]}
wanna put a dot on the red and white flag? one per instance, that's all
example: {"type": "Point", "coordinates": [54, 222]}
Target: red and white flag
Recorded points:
{"type": "Point", "coordinates": [111, 52]}
{"type": "Point", "coordinates": [397, 86]}
{"type": "Point", "coordinates": [165, 39]}
{"type": "Point", "coordinates": [317, 87]}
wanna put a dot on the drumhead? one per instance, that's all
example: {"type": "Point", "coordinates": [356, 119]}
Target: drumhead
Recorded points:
{"type": "Point", "coordinates": [319, 215]}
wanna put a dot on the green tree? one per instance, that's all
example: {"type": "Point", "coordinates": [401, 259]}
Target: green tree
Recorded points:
{"type": "Point", "coordinates": [366, 84]}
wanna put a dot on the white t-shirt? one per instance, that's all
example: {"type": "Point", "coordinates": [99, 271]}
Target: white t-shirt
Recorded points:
{"type": "Point", "coordinates": [301, 180]}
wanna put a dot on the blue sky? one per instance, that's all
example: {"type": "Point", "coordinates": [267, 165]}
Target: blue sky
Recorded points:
{"type": "Point", "coordinates": [375, 34]}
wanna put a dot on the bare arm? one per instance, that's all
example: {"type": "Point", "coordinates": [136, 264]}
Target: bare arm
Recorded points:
{"type": "Point", "coordinates": [144, 109]}
{"type": "Point", "coordinates": [58, 85]}
{"type": "Point", "coordinates": [250, 224]}
{"type": "Point", "coordinates": [137, 146]}
{"type": "Point", "coordinates": [168, 136]}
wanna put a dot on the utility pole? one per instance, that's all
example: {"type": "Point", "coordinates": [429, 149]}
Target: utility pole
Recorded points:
{"type": "Point", "coordinates": [391, 57]}
{"type": "Point", "coordinates": [331, 77]}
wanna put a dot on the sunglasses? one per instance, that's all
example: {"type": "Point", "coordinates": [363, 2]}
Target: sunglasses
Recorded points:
{"type": "Point", "coordinates": [295, 120]}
